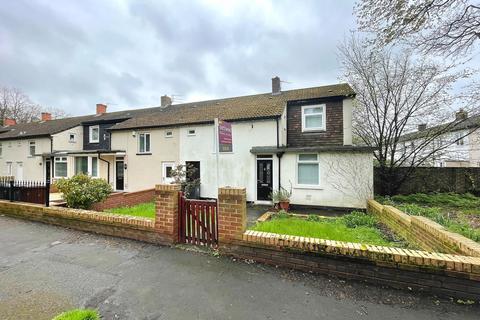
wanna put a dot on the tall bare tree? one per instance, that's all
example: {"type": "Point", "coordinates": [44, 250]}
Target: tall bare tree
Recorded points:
{"type": "Point", "coordinates": [396, 93]}
{"type": "Point", "coordinates": [15, 104]}
{"type": "Point", "coordinates": [446, 27]}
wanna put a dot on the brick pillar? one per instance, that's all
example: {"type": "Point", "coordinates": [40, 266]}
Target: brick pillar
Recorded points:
{"type": "Point", "coordinates": [166, 207]}
{"type": "Point", "coordinates": [232, 214]}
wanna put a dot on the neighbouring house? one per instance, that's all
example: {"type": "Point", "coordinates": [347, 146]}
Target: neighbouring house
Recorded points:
{"type": "Point", "coordinates": [461, 141]}
{"type": "Point", "coordinates": [300, 140]}
{"type": "Point", "coordinates": [60, 148]}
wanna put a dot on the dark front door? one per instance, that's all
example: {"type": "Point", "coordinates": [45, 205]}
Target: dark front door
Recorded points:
{"type": "Point", "coordinates": [264, 179]}
{"type": "Point", "coordinates": [119, 174]}
{"type": "Point", "coordinates": [48, 170]}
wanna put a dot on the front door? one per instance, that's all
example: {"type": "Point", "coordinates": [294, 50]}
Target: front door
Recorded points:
{"type": "Point", "coordinates": [167, 168]}
{"type": "Point", "coordinates": [119, 174]}
{"type": "Point", "coordinates": [19, 175]}
{"type": "Point", "coordinates": [264, 179]}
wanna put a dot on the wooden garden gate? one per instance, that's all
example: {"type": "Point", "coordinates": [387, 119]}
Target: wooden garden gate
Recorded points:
{"type": "Point", "coordinates": [197, 221]}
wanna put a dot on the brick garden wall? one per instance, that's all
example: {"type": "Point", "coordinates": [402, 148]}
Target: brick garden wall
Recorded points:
{"type": "Point", "coordinates": [125, 199]}
{"type": "Point", "coordinates": [135, 228]}
{"type": "Point", "coordinates": [445, 275]}
{"type": "Point", "coordinates": [423, 232]}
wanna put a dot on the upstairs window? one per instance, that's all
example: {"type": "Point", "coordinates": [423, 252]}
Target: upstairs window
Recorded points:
{"type": "Point", "coordinates": [168, 134]}
{"type": "Point", "coordinates": [31, 148]}
{"type": "Point", "coordinates": [460, 139]}
{"type": "Point", "coordinates": [144, 143]}
{"type": "Point", "coordinates": [72, 138]}
{"type": "Point", "coordinates": [313, 118]}
{"type": "Point", "coordinates": [94, 134]}
{"type": "Point", "coordinates": [191, 132]}
{"type": "Point", "coordinates": [308, 171]}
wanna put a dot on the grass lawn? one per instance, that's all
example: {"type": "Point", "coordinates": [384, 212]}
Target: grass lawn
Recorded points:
{"type": "Point", "coordinates": [457, 212]}
{"type": "Point", "coordinates": [146, 210]}
{"type": "Point", "coordinates": [355, 227]}
{"type": "Point", "coordinates": [78, 314]}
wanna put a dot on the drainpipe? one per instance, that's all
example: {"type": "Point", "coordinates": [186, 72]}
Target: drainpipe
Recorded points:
{"type": "Point", "coordinates": [279, 156]}
{"type": "Point", "coordinates": [108, 167]}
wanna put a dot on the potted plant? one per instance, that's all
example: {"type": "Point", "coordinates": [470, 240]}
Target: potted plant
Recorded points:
{"type": "Point", "coordinates": [282, 197]}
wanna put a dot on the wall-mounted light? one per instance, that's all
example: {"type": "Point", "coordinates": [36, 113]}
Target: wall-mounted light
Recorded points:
{"type": "Point", "coordinates": [134, 133]}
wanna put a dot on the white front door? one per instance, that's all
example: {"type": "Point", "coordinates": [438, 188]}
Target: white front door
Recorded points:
{"type": "Point", "coordinates": [19, 175]}
{"type": "Point", "coordinates": [167, 168]}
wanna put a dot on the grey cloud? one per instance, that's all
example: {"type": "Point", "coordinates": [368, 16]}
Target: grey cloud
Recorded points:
{"type": "Point", "coordinates": [73, 54]}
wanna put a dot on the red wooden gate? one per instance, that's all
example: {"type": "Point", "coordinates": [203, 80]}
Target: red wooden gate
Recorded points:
{"type": "Point", "coordinates": [198, 221]}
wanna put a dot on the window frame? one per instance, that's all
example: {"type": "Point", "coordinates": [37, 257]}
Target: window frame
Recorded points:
{"type": "Point", "coordinates": [90, 134]}
{"type": "Point", "coordinates": [145, 151]}
{"type": "Point", "coordinates": [89, 166]}
{"type": "Point", "coordinates": [317, 162]}
{"type": "Point", "coordinates": [30, 148]}
{"type": "Point", "coordinates": [9, 165]}
{"type": "Point", "coordinates": [304, 117]}
{"type": "Point", "coordinates": [55, 166]}
{"type": "Point", "coordinates": [169, 134]}
{"type": "Point", "coordinates": [74, 135]}
{"type": "Point", "coordinates": [191, 134]}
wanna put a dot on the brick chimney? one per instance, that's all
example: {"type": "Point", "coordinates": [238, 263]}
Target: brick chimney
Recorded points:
{"type": "Point", "coordinates": [165, 101]}
{"type": "Point", "coordinates": [101, 108]}
{"type": "Point", "coordinates": [422, 127]}
{"type": "Point", "coordinates": [461, 115]}
{"type": "Point", "coordinates": [46, 116]}
{"type": "Point", "coordinates": [9, 122]}
{"type": "Point", "coordinates": [276, 89]}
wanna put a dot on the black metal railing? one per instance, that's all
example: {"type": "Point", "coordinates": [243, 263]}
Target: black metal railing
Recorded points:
{"type": "Point", "coordinates": [25, 191]}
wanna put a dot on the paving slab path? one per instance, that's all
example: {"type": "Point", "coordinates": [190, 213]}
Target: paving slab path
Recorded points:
{"type": "Point", "coordinates": [45, 270]}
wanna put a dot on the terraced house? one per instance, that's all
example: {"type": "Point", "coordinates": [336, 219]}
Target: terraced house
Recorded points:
{"type": "Point", "coordinates": [299, 140]}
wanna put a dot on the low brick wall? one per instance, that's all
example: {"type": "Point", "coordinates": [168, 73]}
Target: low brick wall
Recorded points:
{"type": "Point", "coordinates": [135, 228]}
{"type": "Point", "coordinates": [442, 274]}
{"type": "Point", "coordinates": [423, 232]}
{"type": "Point", "coordinates": [125, 199]}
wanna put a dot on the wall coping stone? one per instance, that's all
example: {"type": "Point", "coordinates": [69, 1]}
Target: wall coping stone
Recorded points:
{"type": "Point", "coordinates": [168, 187]}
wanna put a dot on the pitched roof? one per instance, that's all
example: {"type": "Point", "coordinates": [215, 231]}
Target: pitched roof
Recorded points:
{"type": "Point", "coordinates": [257, 106]}
{"type": "Point", "coordinates": [469, 123]}
{"type": "Point", "coordinates": [46, 128]}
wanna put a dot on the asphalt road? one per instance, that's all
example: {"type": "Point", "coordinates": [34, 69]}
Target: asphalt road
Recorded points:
{"type": "Point", "coordinates": [45, 270]}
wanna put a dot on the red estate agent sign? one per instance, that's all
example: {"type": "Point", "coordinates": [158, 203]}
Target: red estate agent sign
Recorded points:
{"type": "Point", "coordinates": [224, 136]}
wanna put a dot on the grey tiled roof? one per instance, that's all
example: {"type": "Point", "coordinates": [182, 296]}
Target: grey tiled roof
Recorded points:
{"type": "Point", "coordinates": [256, 106]}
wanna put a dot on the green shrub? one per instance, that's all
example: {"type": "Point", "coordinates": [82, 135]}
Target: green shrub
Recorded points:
{"type": "Point", "coordinates": [82, 191]}
{"type": "Point", "coordinates": [78, 314]}
{"type": "Point", "coordinates": [359, 219]}
{"type": "Point", "coordinates": [282, 214]}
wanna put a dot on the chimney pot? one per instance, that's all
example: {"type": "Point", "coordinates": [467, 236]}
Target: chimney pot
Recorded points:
{"type": "Point", "coordinates": [461, 115]}
{"type": "Point", "coordinates": [46, 116]}
{"type": "Point", "coordinates": [9, 122]}
{"type": "Point", "coordinates": [422, 127]}
{"type": "Point", "coordinates": [101, 108]}
{"type": "Point", "coordinates": [276, 88]}
{"type": "Point", "coordinates": [165, 101]}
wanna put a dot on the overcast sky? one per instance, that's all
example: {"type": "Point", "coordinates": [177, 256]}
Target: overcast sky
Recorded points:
{"type": "Point", "coordinates": [74, 54]}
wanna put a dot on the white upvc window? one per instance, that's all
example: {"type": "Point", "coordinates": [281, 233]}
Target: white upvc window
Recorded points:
{"type": "Point", "coordinates": [72, 137]}
{"type": "Point", "coordinates": [86, 165]}
{"type": "Point", "coordinates": [144, 143]}
{"type": "Point", "coordinates": [191, 132]}
{"type": "Point", "coordinates": [94, 134]}
{"type": "Point", "coordinates": [308, 170]}
{"type": "Point", "coordinates": [31, 148]}
{"type": "Point", "coordinates": [8, 168]}
{"type": "Point", "coordinates": [168, 134]}
{"type": "Point", "coordinates": [313, 117]}
{"type": "Point", "coordinates": [60, 167]}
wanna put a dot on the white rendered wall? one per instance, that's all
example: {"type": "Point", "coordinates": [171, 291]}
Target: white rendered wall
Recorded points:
{"type": "Point", "coordinates": [346, 180]}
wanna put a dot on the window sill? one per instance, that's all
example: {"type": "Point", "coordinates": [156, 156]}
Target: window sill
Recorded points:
{"type": "Point", "coordinates": [314, 131]}
{"type": "Point", "coordinates": [144, 153]}
{"type": "Point", "coordinates": [307, 187]}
